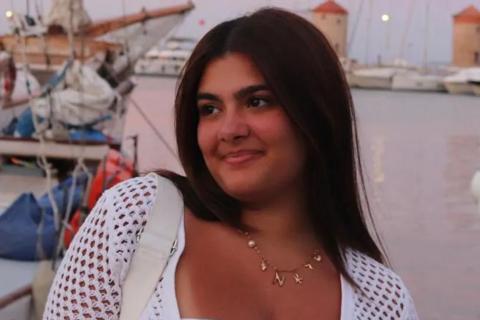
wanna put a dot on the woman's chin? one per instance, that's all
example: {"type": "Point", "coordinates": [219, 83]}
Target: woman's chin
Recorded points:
{"type": "Point", "coordinates": [242, 189]}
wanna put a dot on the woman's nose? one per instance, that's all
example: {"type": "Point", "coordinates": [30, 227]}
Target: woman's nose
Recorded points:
{"type": "Point", "coordinates": [234, 127]}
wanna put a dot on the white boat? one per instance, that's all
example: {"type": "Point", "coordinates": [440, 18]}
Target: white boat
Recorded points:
{"type": "Point", "coordinates": [374, 78]}
{"type": "Point", "coordinates": [166, 61]}
{"type": "Point", "coordinates": [417, 79]}
{"type": "Point", "coordinates": [474, 81]}
{"type": "Point", "coordinates": [461, 81]}
{"type": "Point", "coordinates": [413, 80]}
{"type": "Point", "coordinates": [162, 62]}
{"type": "Point", "coordinates": [475, 188]}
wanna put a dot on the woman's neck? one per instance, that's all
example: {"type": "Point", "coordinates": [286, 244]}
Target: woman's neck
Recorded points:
{"type": "Point", "coordinates": [283, 220]}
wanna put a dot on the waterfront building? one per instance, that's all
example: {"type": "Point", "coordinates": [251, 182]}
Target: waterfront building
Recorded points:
{"type": "Point", "coordinates": [466, 37]}
{"type": "Point", "coordinates": [332, 20]}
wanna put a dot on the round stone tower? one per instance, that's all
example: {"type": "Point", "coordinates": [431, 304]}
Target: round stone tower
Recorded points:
{"type": "Point", "coordinates": [332, 20]}
{"type": "Point", "coordinates": [466, 38]}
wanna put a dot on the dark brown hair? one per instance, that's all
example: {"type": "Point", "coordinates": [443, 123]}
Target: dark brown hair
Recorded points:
{"type": "Point", "coordinates": [305, 75]}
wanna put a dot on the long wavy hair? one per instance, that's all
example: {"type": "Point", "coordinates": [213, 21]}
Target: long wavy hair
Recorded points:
{"type": "Point", "coordinates": [303, 72]}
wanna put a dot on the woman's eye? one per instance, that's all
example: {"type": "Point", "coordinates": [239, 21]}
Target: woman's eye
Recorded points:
{"type": "Point", "coordinates": [207, 109]}
{"type": "Point", "coordinates": [258, 102]}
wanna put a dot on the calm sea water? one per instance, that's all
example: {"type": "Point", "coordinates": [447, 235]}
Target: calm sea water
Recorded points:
{"type": "Point", "coordinates": [420, 151]}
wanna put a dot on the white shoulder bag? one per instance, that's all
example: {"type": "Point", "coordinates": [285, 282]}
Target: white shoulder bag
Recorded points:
{"type": "Point", "coordinates": [153, 250]}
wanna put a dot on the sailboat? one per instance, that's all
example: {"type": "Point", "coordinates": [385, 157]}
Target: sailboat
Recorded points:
{"type": "Point", "coordinates": [71, 73]}
{"type": "Point", "coordinates": [376, 77]}
{"type": "Point", "coordinates": [373, 78]}
{"type": "Point", "coordinates": [70, 45]}
{"type": "Point", "coordinates": [419, 79]}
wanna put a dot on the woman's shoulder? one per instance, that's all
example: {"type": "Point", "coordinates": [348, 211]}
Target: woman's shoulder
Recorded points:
{"type": "Point", "coordinates": [96, 262]}
{"type": "Point", "coordinates": [381, 293]}
{"type": "Point", "coordinates": [127, 204]}
{"type": "Point", "coordinates": [134, 188]}
{"type": "Point", "coordinates": [126, 208]}
{"type": "Point", "coordinates": [131, 199]}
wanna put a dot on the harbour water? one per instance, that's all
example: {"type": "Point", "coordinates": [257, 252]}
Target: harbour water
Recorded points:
{"type": "Point", "coordinates": [420, 151]}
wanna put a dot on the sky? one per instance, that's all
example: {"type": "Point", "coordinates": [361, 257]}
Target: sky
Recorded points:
{"type": "Point", "coordinates": [405, 36]}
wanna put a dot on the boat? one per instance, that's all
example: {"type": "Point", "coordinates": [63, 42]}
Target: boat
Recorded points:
{"type": "Point", "coordinates": [463, 81]}
{"type": "Point", "coordinates": [476, 87]}
{"type": "Point", "coordinates": [167, 60]}
{"type": "Point", "coordinates": [46, 49]}
{"type": "Point", "coordinates": [417, 79]}
{"type": "Point", "coordinates": [474, 81]}
{"type": "Point", "coordinates": [374, 77]}
{"type": "Point", "coordinates": [74, 62]}
{"type": "Point", "coordinates": [475, 188]}
{"type": "Point", "coordinates": [414, 80]}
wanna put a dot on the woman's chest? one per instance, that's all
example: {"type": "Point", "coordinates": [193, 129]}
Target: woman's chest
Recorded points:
{"type": "Point", "coordinates": [213, 287]}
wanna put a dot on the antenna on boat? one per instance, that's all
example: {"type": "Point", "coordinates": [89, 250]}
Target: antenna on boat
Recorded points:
{"type": "Point", "coordinates": [411, 12]}
{"type": "Point", "coordinates": [355, 26]}
{"type": "Point", "coordinates": [369, 22]}
{"type": "Point", "coordinates": [427, 30]}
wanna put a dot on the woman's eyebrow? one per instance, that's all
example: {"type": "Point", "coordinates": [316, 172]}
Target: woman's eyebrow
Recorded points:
{"type": "Point", "coordinates": [239, 95]}
{"type": "Point", "coordinates": [246, 91]}
{"type": "Point", "coordinates": [207, 96]}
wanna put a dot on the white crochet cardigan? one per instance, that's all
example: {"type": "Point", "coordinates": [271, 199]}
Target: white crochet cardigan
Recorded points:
{"type": "Point", "coordinates": [88, 284]}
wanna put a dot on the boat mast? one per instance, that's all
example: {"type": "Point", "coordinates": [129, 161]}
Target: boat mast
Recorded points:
{"type": "Point", "coordinates": [355, 27]}
{"type": "Point", "coordinates": [369, 22]}
{"type": "Point", "coordinates": [427, 31]}
{"type": "Point", "coordinates": [407, 29]}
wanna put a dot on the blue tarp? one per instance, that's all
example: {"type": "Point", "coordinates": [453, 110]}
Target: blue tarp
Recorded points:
{"type": "Point", "coordinates": [27, 230]}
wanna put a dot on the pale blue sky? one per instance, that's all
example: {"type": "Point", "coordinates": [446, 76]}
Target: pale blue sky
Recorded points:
{"type": "Point", "coordinates": [384, 39]}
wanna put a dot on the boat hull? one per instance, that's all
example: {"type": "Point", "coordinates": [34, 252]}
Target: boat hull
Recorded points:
{"type": "Point", "coordinates": [459, 87]}
{"type": "Point", "coordinates": [370, 82]}
{"type": "Point", "coordinates": [417, 83]}
{"type": "Point", "coordinates": [476, 89]}
{"type": "Point", "coordinates": [146, 67]}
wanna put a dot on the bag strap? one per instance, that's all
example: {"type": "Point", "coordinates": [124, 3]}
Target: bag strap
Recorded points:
{"type": "Point", "coordinates": [153, 250]}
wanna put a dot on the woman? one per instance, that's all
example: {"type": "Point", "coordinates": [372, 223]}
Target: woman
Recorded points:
{"type": "Point", "coordinates": [274, 225]}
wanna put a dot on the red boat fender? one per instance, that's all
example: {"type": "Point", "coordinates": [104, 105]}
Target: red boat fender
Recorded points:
{"type": "Point", "coordinates": [115, 168]}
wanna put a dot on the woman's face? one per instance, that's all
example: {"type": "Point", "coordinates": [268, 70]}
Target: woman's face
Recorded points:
{"type": "Point", "coordinates": [247, 140]}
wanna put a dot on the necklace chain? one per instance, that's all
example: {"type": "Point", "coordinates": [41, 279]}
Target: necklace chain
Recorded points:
{"type": "Point", "coordinates": [280, 275]}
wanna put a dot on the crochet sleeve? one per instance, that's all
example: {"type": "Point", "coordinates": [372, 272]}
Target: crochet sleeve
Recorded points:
{"type": "Point", "coordinates": [88, 282]}
{"type": "Point", "coordinates": [381, 293]}
{"type": "Point", "coordinates": [410, 313]}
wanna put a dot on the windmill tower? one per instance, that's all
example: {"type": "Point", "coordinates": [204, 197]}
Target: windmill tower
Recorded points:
{"type": "Point", "coordinates": [466, 37]}
{"type": "Point", "coordinates": [332, 20]}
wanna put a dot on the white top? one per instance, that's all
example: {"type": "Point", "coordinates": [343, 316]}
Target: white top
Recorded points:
{"type": "Point", "coordinates": [89, 281]}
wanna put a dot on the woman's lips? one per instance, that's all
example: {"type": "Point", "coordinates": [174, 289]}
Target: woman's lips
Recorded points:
{"type": "Point", "coordinates": [241, 157]}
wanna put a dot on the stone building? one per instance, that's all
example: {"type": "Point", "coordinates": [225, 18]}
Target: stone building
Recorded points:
{"type": "Point", "coordinates": [466, 38]}
{"type": "Point", "coordinates": [332, 20]}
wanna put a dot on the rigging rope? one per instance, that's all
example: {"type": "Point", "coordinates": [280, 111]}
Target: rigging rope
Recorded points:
{"type": "Point", "coordinates": [155, 130]}
{"type": "Point", "coordinates": [42, 161]}
{"type": "Point", "coordinates": [41, 158]}
{"type": "Point", "coordinates": [355, 26]}
{"type": "Point", "coordinates": [411, 13]}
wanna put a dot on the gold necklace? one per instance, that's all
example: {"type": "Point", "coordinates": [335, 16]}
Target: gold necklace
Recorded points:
{"type": "Point", "coordinates": [280, 275]}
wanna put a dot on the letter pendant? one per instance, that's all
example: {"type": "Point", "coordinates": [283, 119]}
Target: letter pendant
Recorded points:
{"type": "Point", "coordinates": [279, 279]}
{"type": "Point", "coordinates": [298, 278]}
